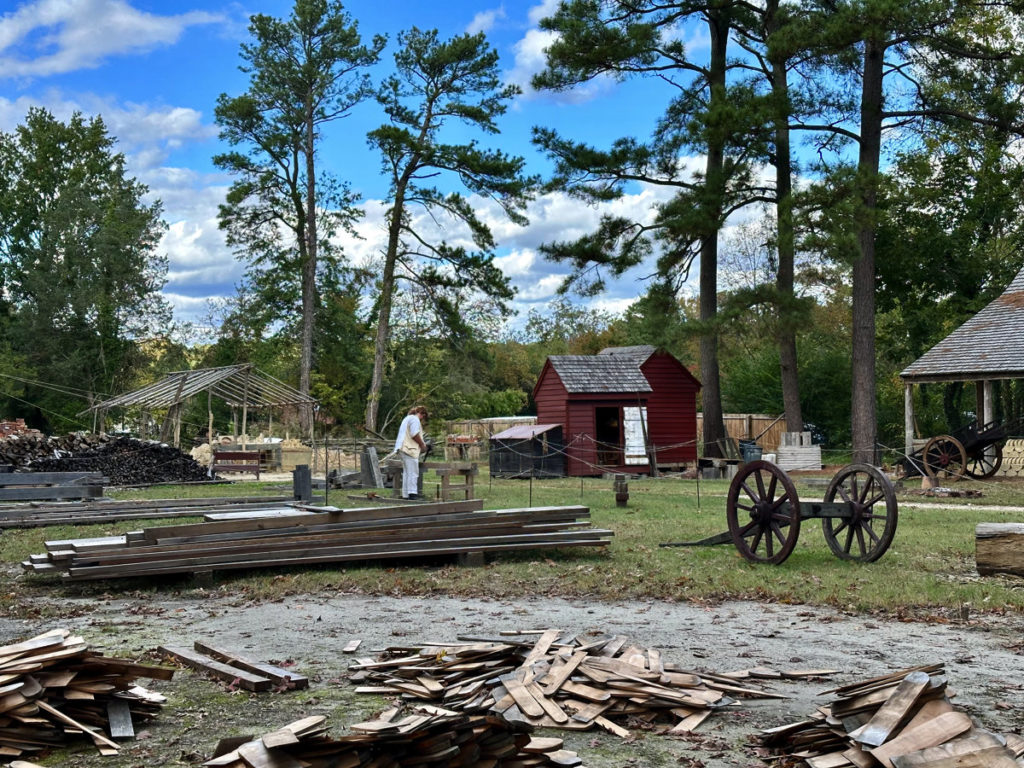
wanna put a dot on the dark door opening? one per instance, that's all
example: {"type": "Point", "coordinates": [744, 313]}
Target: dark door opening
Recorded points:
{"type": "Point", "coordinates": [608, 434]}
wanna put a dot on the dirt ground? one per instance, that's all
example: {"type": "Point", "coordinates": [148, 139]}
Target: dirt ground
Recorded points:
{"type": "Point", "coordinates": [982, 657]}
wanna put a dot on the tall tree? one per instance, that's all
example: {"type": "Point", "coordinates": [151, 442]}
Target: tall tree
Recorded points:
{"type": "Point", "coordinates": [304, 72]}
{"type": "Point", "coordinates": [927, 60]}
{"type": "Point", "coordinates": [438, 85]}
{"type": "Point", "coordinates": [627, 39]}
{"type": "Point", "coordinates": [79, 270]}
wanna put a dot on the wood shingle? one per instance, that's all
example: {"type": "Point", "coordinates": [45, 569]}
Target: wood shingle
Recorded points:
{"type": "Point", "coordinates": [988, 346]}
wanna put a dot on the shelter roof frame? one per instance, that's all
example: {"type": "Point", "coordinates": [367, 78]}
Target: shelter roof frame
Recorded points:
{"type": "Point", "coordinates": [239, 386]}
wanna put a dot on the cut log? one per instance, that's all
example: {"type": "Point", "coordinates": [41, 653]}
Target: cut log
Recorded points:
{"type": "Point", "coordinates": [999, 548]}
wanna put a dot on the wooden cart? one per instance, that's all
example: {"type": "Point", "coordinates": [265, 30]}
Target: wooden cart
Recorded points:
{"type": "Point", "coordinates": [974, 450]}
{"type": "Point", "coordinates": [763, 510]}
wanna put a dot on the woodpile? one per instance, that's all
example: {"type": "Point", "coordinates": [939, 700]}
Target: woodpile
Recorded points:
{"type": "Point", "coordinates": [331, 536]}
{"type": "Point", "coordinates": [124, 460]}
{"type": "Point", "coordinates": [901, 720]}
{"type": "Point", "coordinates": [557, 680]}
{"type": "Point", "coordinates": [429, 736]}
{"type": "Point", "coordinates": [56, 691]}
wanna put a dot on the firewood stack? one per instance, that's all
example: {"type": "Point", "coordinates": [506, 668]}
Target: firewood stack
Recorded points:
{"type": "Point", "coordinates": [427, 737]}
{"type": "Point", "coordinates": [901, 720]}
{"type": "Point", "coordinates": [54, 690]}
{"type": "Point", "coordinates": [125, 460]}
{"type": "Point", "coordinates": [558, 681]}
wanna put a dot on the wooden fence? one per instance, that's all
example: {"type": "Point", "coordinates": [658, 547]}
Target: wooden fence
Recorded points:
{"type": "Point", "coordinates": [767, 430]}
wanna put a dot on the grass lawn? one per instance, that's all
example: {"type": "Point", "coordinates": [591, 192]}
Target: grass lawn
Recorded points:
{"type": "Point", "coordinates": [928, 571]}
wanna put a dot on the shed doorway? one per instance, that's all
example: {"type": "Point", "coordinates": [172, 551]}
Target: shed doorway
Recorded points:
{"type": "Point", "coordinates": [608, 435]}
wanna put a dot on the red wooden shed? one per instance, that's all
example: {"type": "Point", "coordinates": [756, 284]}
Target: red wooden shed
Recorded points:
{"type": "Point", "coordinates": [620, 408]}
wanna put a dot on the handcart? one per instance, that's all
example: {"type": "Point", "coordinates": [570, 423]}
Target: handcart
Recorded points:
{"type": "Point", "coordinates": [763, 511]}
{"type": "Point", "coordinates": [973, 450]}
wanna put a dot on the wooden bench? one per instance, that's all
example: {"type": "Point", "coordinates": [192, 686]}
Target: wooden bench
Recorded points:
{"type": "Point", "coordinates": [446, 472]}
{"type": "Point", "coordinates": [237, 461]}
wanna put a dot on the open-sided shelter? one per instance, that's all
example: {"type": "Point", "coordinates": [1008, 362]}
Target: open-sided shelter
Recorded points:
{"type": "Point", "coordinates": [528, 450]}
{"type": "Point", "coordinates": [984, 349]}
{"type": "Point", "coordinates": [622, 410]}
{"type": "Point", "coordinates": [243, 387]}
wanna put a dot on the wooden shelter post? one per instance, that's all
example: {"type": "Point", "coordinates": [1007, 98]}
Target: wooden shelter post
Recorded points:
{"type": "Point", "coordinates": [908, 418]}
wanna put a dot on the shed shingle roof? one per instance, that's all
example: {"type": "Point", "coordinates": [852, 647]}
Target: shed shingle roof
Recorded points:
{"type": "Point", "coordinates": [640, 351]}
{"type": "Point", "coordinates": [581, 374]}
{"type": "Point", "coordinates": [988, 346]}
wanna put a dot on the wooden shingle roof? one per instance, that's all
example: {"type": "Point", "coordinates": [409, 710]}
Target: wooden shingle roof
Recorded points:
{"type": "Point", "coordinates": [641, 352]}
{"type": "Point", "coordinates": [582, 374]}
{"type": "Point", "coordinates": [988, 346]}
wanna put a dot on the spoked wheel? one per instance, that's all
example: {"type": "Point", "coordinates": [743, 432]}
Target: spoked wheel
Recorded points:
{"type": "Point", "coordinates": [869, 530]}
{"type": "Point", "coordinates": [944, 458]}
{"type": "Point", "coordinates": [763, 511]}
{"type": "Point", "coordinates": [985, 462]}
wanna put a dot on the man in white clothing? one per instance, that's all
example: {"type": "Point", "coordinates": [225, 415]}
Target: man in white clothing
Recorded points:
{"type": "Point", "coordinates": [410, 445]}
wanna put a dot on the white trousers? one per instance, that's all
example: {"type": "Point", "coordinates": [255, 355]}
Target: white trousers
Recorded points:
{"type": "Point", "coordinates": [410, 475]}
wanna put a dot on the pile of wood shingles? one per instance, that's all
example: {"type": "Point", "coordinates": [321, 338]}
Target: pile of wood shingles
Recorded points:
{"type": "Point", "coordinates": [430, 736]}
{"type": "Point", "coordinates": [54, 690]}
{"type": "Point", "coordinates": [333, 535]}
{"type": "Point", "coordinates": [901, 720]}
{"type": "Point", "coordinates": [557, 681]}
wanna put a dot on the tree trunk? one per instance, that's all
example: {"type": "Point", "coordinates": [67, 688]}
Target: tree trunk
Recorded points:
{"type": "Point", "coordinates": [387, 291]}
{"type": "Point", "coordinates": [308, 275]}
{"type": "Point", "coordinates": [711, 389]}
{"type": "Point", "coordinates": [786, 333]}
{"type": "Point", "coordinates": [863, 421]}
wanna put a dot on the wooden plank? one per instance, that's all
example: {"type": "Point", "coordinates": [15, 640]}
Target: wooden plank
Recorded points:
{"type": "Point", "coordinates": [215, 668]}
{"type": "Point", "coordinates": [258, 756]}
{"type": "Point", "coordinates": [929, 734]}
{"type": "Point", "coordinates": [51, 492]}
{"type": "Point", "coordinates": [96, 736]}
{"type": "Point", "coordinates": [119, 717]}
{"type": "Point", "coordinates": [9, 479]}
{"type": "Point", "coordinates": [279, 675]}
{"type": "Point", "coordinates": [894, 711]}
{"type": "Point", "coordinates": [562, 673]}
{"type": "Point", "coordinates": [976, 742]}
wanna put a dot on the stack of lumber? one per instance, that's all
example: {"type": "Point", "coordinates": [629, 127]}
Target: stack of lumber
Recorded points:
{"type": "Point", "coordinates": [901, 720]}
{"type": "Point", "coordinates": [50, 486]}
{"type": "Point", "coordinates": [54, 690]}
{"type": "Point", "coordinates": [87, 513]}
{"type": "Point", "coordinates": [427, 737]}
{"type": "Point", "coordinates": [332, 536]}
{"type": "Point", "coordinates": [235, 669]}
{"type": "Point", "coordinates": [559, 680]}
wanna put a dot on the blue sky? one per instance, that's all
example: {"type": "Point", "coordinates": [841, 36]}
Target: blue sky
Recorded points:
{"type": "Point", "coordinates": [153, 70]}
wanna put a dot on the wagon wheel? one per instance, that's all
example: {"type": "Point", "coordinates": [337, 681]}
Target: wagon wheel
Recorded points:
{"type": "Point", "coordinates": [985, 462]}
{"type": "Point", "coordinates": [868, 532]}
{"type": "Point", "coordinates": [944, 458]}
{"type": "Point", "coordinates": [763, 511]}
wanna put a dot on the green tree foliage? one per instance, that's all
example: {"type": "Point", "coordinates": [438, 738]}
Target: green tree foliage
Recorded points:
{"type": "Point", "coordinates": [79, 271]}
{"type": "Point", "coordinates": [442, 87]}
{"type": "Point", "coordinates": [282, 211]}
{"type": "Point", "coordinates": [912, 63]}
{"type": "Point", "coordinates": [706, 114]}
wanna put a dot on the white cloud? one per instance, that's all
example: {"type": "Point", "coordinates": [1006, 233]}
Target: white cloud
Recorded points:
{"type": "Point", "coordinates": [484, 21]}
{"type": "Point", "coordinates": [48, 37]}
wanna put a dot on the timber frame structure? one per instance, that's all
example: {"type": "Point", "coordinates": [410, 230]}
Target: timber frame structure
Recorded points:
{"type": "Point", "coordinates": [984, 349]}
{"type": "Point", "coordinates": [241, 386]}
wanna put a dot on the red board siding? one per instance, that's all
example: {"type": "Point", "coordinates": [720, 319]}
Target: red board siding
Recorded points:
{"type": "Point", "coordinates": [671, 409]}
{"type": "Point", "coordinates": [671, 415]}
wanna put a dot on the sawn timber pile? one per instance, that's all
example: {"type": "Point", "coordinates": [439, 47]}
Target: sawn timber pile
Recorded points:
{"type": "Point", "coordinates": [330, 536]}
{"type": "Point", "coordinates": [124, 460]}
{"type": "Point", "coordinates": [901, 720]}
{"type": "Point", "coordinates": [563, 680]}
{"type": "Point", "coordinates": [430, 736]}
{"type": "Point", "coordinates": [57, 691]}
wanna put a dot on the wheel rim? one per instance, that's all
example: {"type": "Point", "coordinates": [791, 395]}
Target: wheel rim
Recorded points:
{"type": "Point", "coordinates": [985, 462]}
{"type": "Point", "coordinates": [869, 531]}
{"type": "Point", "coordinates": [763, 511]}
{"type": "Point", "coordinates": [944, 458]}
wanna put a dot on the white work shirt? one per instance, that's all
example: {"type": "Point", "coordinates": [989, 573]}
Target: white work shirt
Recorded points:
{"type": "Point", "coordinates": [410, 422]}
